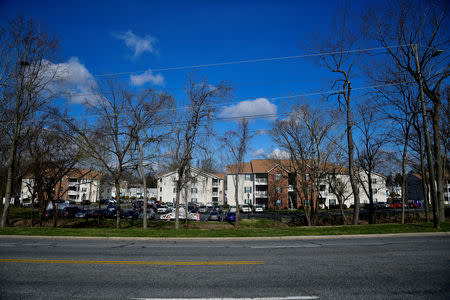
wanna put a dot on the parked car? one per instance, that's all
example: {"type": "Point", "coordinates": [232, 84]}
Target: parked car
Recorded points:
{"type": "Point", "coordinates": [232, 208]}
{"type": "Point", "coordinates": [202, 209]}
{"type": "Point", "coordinates": [48, 213]}
{"type": "Point", "coordinates": [246, 208]}
{"type": "Point", "coordinates": [130, 215]}
{"type": "Point", "coordinates": [389, 205]}
{"type": "Point", "coordinates": [258, 208]}
{"type": "Point", "coordinates": [150, 215]}
{"type": "Point", "coordinates": [70, 211]}
{"type": "Point", "coordinates": [214, 216]}
{"type": "Point", "coordinates": [162, 209]}
{"type": "Point", "coordinates": [81, 214]}
{"type": "Point", "coordinates": [397, 205]}
{"type": "Point", "coordinates": [217, 208]}
{"type": "Point", "coordinates": [230, 217]}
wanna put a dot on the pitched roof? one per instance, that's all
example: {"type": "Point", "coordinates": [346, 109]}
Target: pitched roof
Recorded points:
{"type": "Point", "coordinates": [244, 168]}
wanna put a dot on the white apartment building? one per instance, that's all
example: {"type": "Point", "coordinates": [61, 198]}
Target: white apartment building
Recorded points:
{"type": "Point", "coordinates": [203, 188]}
{"type": "Point", "coordinates": [267, 183]}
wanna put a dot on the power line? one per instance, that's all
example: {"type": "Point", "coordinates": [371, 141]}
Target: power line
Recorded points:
{"type": "Point", "coordinates": [244, 61]}
{"type": "Point", "coordinates": [236, 101]}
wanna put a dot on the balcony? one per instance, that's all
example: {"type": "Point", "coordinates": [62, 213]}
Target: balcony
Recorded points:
{"type": "Point", "coordinates": [261, 181]}
{"type": "Point", "coordinates": [215, 194]}
{"type": "Point", "coordinates": [261, 194]}
{"type": "Point", "coordinates": [215, 184]}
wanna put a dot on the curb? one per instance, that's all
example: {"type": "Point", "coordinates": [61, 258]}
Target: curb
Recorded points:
{"type": "Point", "coordinates": [275, 238]}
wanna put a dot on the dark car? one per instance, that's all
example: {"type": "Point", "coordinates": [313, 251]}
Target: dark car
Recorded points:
{"type": "Point", "coordinates": [214, 216]}
{"type": "Point", "coordinates": [48, 213]}
{"type": "Point", "coordinates": [230, 217]}
{"type": "Point", "coordinates": [130, 215]}
{"type": "Point", "coordinates": [81, 214]}
{"type": "Point", "coordinates": [217, 208]}
{"type": "Point", "coordinates": [70, 211]}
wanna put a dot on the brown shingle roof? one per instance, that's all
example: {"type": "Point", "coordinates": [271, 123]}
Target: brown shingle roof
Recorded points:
{"type": "Point", "coordinates": [245, 168]}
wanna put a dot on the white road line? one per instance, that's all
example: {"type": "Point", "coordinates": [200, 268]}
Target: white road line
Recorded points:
{"type": "Point", "coordinates": [268, 298]}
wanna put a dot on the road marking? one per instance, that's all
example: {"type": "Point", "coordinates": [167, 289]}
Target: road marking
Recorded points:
{"type": "Point", "coordinates": [268, 298]}
{"type": "Point", "coordinates": [131, 262]}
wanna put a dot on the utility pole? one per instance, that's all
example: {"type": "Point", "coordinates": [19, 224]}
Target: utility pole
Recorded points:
{"type": "Point", "coordinates": [432, 176]}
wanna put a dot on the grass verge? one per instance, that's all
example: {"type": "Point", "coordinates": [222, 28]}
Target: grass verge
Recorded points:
{"type": "Point", "coordinates": [247, 229]}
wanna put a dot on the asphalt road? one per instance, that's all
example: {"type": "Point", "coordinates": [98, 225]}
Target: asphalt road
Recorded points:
{"type": "Point", "coordinates": [412, 267]}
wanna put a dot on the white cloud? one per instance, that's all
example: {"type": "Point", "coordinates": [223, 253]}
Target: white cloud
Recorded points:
{"type": "Point", "coordinates": [145, 77]}
{"type": "Point", "coordinates": [250, 108]}
{"type": "Point", "coordinates": [279, 154]}
{"type": "Point", "coordinates": [71, 79]}
{"type": "Point", "coordinates": [259, 152]}
{"type": "Point", "coordinates": [136, 43]}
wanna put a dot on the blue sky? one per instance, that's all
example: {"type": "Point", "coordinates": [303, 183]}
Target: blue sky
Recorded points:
{"type": "Point", "coordinates": [99, 37]}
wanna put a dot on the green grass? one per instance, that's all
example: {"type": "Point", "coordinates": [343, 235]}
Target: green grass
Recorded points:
{"type": "Point", "coordinates": [249, 228]}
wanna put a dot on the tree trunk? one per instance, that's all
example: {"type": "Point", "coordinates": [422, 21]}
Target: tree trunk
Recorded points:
{"type": "Point", "coordinates": [405, 149]}
{"type": "Point", "coordinates": [341, 208]}
{"type": "Point", "coordinates": [55, 213]}
{"type": "Point", "coordinates": [9, 181]}
{"type": "Point", "coordinates": [438, 160]}
{"type": "Point", "coordinates": [424, 181]}
{"type": "Point", "coordinates": [177, 204]}
{"type": "Point", "coordinates": [144, 182]}
{"type": "Point", "coordinates": [370, 194]}
{"type": "Point", "coordinates": [236, 199]}
{"type": "Point", "coordinates": [432, 176]}
{"type": "Point", "coordinates": [117, 185]}
{"type": "Point", "coordinates": [351, 168]}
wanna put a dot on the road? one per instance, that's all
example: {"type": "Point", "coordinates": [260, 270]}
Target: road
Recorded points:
{"type": "Point", "coordinates": [405, 267]}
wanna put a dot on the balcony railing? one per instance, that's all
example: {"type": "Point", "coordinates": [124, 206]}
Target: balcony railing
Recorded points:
{"type": "Point", "coordinates": [261, 194]}
{"type": "Point", "coordinates": [215, 194]}
{"type": "Point", "coordinates": [215, 183]}
{"type": "Point", "coordinates": [261, 180]}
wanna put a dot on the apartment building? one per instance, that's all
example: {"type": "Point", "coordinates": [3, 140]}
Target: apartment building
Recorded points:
{"type": "Point", "coordinates": [271, 184]}
{"type": "Point", "coordinates": [414, 188]}
{"type": "Point", "coordinates": [202, 188]}
{"type": "Point", "coordinates": [77, 185]}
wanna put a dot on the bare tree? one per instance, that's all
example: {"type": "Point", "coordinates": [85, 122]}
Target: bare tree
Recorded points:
{"type": "Point", "coordinates": [343, 50]}
{"type": "Point", "coordinates": [150, 112]}
{"type": "Point", "coordinates": [414, 34]}
{"type": "Point", "coordinates": [338, 182]}
{"type": "Point", "coordinates": [236, 144]}
{"type": "Point", "coordinates": [309, 136]}
{"type": "Point", "coordinates": [109, 140]}
{"type": "Point", "coordinates": [369, 152]}
{"type": "Point", "coordinates": [26, 52]}
{"type": "Point", "coordinates": [193, 123]}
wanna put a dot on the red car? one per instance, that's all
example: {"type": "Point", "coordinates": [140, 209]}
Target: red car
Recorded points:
{"type": "Point", "coordinates": [397, 205]}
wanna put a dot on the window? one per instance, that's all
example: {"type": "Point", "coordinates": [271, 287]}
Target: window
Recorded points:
{"type": "Point", "coordinates": [374, 191]}
{"type": "Point", "coordinates": [174, 189]}
{"type": "Point", "coordinates": [278, 190]}
{"type": "Point", "coordinates": [60, 189]}
{"type": "Point", "coordinates": [322, 188]}
{"type": "Point", "coordinates": [193, 200]}
{"type": "Point", "coordinates": [160, 199]}
{"type": "Point", "coordinates": [278, 176]}
{"type": "Point", "coordinates": [248, 176]}
{"type": "Point", "coordinates": [160, 189]}
{"type": "Point", "coordinates": [332, 202]}
{"type": "Point", "coordinates": [374, 180]}
{"type": "Point", "coordinates": [84, 190]}
{"type": "Point", "coordinates": [247, 189]}
{"type": "Point", "coordinates": [194, 190]}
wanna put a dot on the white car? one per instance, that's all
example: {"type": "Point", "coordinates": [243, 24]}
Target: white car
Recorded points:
{"type": "Point", "coordinates": [162, 209]}
{"type": "Point", "coordinates": [246, 208]}
{"type": "Point", "coordinates": [171, 216]}
{"type": "Point", "coordinates": [259, 208]}
{"type": "Point", "coordinates": [232, 208]}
